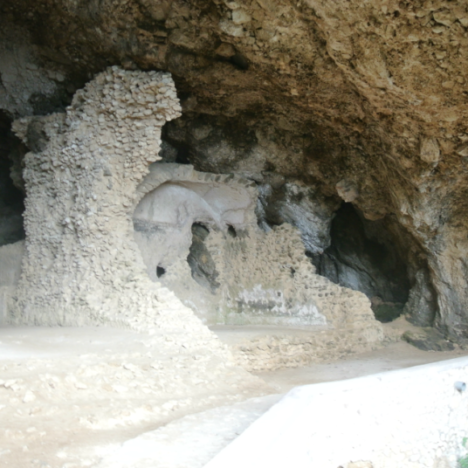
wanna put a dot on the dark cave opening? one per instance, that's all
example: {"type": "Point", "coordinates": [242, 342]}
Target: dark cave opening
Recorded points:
{"type": "Point", "coordinates": [200, 260]}
{"type": "Point", "coordinates": [362, 257]}
{"type": "Point", "coordinates": [11, 197]}
{"type": "Point", "coordinates": [173, 151]}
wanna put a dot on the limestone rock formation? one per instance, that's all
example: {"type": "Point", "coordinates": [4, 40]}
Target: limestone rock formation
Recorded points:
{"type": "Point", "coordinates": [316, 102]}
{"type": "Point", "coordinates": [80, 186]}
{"type": "Point", "coordinates": [201, 230]}
{"type": "Point", "coordinates": [199, 236]}
{"type": "Point", "coordinates": [81, 265]}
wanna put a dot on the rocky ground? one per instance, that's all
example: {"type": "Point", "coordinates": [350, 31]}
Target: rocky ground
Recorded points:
{"type": "Point", "coordinates": [100, 397]}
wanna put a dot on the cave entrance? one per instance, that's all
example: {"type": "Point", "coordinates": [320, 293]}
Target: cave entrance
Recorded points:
{"type": "Point", "coordinates": [364, 257]}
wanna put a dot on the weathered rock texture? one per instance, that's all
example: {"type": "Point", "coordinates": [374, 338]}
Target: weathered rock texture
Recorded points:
{"type": "Point", "coordinates": [201, 231]}
{"type": "Point", "coordinates": [81, 263]}
{"type": "Point", "coordinates": [263, 349]}
{"type": "Point", "coordinates": [361, 100]}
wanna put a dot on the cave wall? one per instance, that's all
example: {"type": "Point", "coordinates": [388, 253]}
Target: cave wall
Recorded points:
{"type": "Point", "coordinates": [272, 160]}
{"type": "Point", "coordinates": [371, 93]}
{"type": "Point", "coordinates": [81, 264]}
{"type": "Point", "coordinates": [289, 195]}
{"type": "Point", "coordinates": [202, 229]}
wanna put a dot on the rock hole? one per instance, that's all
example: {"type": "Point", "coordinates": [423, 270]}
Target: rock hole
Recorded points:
{"type": "Point", "coordinates": [160, 271]}
{"type": "Point", "coordinates": [231, 231]}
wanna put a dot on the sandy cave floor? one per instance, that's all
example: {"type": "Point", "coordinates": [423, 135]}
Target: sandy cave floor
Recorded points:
{"type": "Point", "coordinates": [97, 397]}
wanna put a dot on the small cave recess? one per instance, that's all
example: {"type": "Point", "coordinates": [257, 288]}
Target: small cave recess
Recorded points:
{"type": "Point", "coordinates": [232, 232]}
{"type": "Point", "coordinates": [11, 196]}
{"type": "Point", "coordinates": [201, 263]}
{"type": "Point", "coordinates": [362, 257]}
{"type": "Point", "coordinates": [173, 151]}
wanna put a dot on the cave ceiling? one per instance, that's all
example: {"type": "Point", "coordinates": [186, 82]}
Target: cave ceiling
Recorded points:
{"type": "Point", "coordinates": [373, 91]}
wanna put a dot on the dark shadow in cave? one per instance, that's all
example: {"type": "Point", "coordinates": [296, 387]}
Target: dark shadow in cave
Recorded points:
{"type": "Point", "coordinates": [232, 232]}
{"type": "Point", "coordinates": [364, 263]}
{"type": "Point", "coordinates": [239, 61]}
{"type": "Point", "coordinates": [11, 198]}
{"type": "Point", "coordinates": [200, 260]}
{"type": "Point", "coordinates": [173, 151]}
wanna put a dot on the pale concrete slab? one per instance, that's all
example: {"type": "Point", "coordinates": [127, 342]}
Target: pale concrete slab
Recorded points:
{"type": "Point", "coordinates": [413, 418]}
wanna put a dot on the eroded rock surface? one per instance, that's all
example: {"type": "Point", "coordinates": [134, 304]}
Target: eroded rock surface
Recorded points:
{"type": "Point", "coordinates": [357, 101]}
{"type": "Point", "coordinates": [81, 265]}
{"type": "Point", "coordinates": [199, 236]}
{"type": "Point", "coordinates": [80, 186]}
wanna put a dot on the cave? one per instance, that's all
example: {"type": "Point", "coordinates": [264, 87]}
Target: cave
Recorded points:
{"type": "Point", "coordinates": [303, 169]}
{"type": "Point", "coordinates": [313, 123]}
{"type": "Point", "coordinates": [365, 260]}
{"type": "Point", "coordinates": [225, 189]}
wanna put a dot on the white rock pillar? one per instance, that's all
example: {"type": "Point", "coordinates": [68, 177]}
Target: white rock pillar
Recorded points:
{"type": "Point", "coordinates": [81, 263]}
